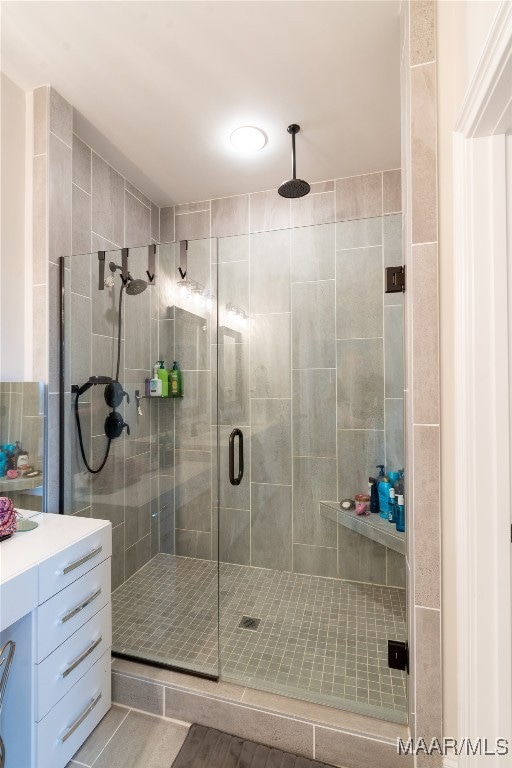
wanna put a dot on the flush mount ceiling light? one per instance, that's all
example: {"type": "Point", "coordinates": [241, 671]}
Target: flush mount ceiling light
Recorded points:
{"type": "Point", "coordinates": [247, 138]}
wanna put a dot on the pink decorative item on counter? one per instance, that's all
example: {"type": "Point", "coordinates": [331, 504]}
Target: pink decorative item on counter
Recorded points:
{"type": "Point", "coordinates": [7, 517]}
{"type": "Point", "coordinates": [12, 474]}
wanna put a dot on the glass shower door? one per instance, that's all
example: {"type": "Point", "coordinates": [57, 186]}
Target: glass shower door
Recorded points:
{"type": "Point", "coordinates": [156, 483]}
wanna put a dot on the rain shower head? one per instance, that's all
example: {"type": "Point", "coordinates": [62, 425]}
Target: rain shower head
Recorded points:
{"type": "Point", "coordinates": [294, 187]}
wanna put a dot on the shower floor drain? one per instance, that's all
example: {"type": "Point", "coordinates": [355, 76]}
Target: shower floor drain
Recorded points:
{"type": "Point", "coordinates": [248, 622]}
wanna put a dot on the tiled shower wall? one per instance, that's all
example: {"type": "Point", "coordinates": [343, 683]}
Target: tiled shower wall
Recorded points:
{"type": "Point", "coordinates": [314, 378]}
{"type": "Point", "coordinates": [82, 204]}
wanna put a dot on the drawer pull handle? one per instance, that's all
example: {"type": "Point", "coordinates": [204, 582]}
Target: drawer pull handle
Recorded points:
{"type": "Point", "coordinates": [74, 664]}
{"type": "Point", "coordinates": [73, 612]}
{"type": "Point", "coordinates": [78, 722]}
{"type": "Point", "coordinates": [78, 563]}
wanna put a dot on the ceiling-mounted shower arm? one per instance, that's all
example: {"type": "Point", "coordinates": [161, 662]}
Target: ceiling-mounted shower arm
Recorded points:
{"type": "Point", "coordinates": [293, 129]}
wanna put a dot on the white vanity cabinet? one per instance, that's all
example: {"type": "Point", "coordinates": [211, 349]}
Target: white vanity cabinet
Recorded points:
{"type": "Point", "coordinates": [55, 605]}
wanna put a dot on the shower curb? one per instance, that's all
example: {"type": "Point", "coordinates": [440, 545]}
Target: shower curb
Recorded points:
{"type": "Point", "coordinates": [314, 731]}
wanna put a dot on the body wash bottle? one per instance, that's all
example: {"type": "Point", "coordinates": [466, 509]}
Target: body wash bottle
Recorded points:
{"type": "Point", "coordinates": [164, 378]}
{"type": "Point", "coordinates": [400, 515]}
{"type": "Point", "coordinates": [383, 486]}
{"type": "Point", "coordinates": [175, 381]}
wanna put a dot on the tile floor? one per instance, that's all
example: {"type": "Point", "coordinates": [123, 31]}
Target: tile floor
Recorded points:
{"type": "Point", "coordinates": [129, 739]}
{"type": "Point", "coordinates": [324, 640]}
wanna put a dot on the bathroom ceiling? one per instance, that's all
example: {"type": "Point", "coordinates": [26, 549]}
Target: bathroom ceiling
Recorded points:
{"type": "Point", "coordinates": [165, 83]}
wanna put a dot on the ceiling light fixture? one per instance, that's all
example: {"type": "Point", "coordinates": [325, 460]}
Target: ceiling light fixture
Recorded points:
{"type": "Point", "coordinates": [248, 138]}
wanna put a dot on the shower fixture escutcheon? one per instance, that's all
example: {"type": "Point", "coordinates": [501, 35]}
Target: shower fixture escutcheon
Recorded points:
{"type": "Point", "coordinates": [294, 187]}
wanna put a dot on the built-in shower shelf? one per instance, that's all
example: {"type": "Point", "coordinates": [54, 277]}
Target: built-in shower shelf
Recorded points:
{"type": "Point", "coordinates": [372, 526]}
{"type": "Point", "coordinates": [20, 483]}
{"type": "Point", "coordinates": [159, 397]}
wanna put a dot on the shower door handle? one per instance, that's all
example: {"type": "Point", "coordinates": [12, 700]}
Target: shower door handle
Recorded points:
{"type": "Point", "coordinates": [232, 479]}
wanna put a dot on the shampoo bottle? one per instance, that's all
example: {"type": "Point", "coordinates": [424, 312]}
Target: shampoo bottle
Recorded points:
{"type": "Point", "coordinates": [164, 378]}
{"type": "Point", "coordinates": [400, 515]}
{"type": "Point", "coordinates": [374, 496]}
{"type": "Point", "coordinates": [175, 381]}
{"type": "Point", "coordinates": [383, 486]}
{"type": "Point", "coordinates": [392, 511]}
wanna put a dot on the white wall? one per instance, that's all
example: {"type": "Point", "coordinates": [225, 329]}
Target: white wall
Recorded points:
{"type": "Point", "coordinates": [462, 30]}
{"type": "Point", "coordinates": [12, 244]}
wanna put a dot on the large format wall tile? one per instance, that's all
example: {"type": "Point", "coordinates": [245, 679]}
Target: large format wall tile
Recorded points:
{"type": "Point", "coordinates": [271, 437]}
{"type": "Point", "coordinates": [192, 413]}
{"type": "Point", "coordinates": [167, 225]}
{"type": "Point", "coordinates": [424, 154]}
{"type": "Point", "coordinates": [191, 226]}
{"type": "Point", "coordinates": [193, 490]}
{"type": "Point", "coordinates": [394, 355]}
{"type": "Point", "coordinates": [235, 248]}
{"type": "Point", "coordinates": [59, 211]}
{"type": "Point", "coordinates": [312, 253]}
{"type": "Point", "coordinates": [41, 98]}
{"type": "Point", "coordinates": [394, 435]}
{"type": "Point", "coordinates": [315, 208]}
{"type": "Point", "coordinates": [39, 221]}
{"type": "Point", "coordinates": [313, 480]}
{"type": "Point", "coordinates": [270, 272]}
{"type": "Point", "coordinates": [61, 117]}
{"type": "Point", "coordinates": [316, 561]}
{"type": "Point", "coordinates": [233, 394]}
{"type": "Point", "coordinates": [235, 536]}
{"type": "Point", "coordinates": [193, 544]}
{"type": "Point", "coordinates": [268, 210]}
{"type": "Point", "coordinates": [137, 222]}
{"type": "Point", "coordinates": [107, 201]}
{"type": "Point", "coordinates": [359, 453]}
{"type": "Point", "coordinates": [230, 216]}
{"type": "Point", "coordinates": [313, 405]}
{"type": "Point", "coordinates": [271, 526]}
{"type": "Point", "coordinates": [359, 197]}
{"type": "Point", "coordinates": [270, 355]}
{"type": "Point", "coordinates": [358, 233]}
{"type": "Point", "coordinates": [422, 44]}
{"type": "Point", "coordinates": [359, 293]}
{"type": "Point", "coordinates": [425, 335]}
{"type": "Point", "coordinates": [81, 226]}
{"type": "Point", "coordinates": [360, 558]}
{"type": "Point", "coordinates": [313, 325]}
{"type": "Point", "coordinates": [360, 384]}
{"type": "Point", "coordinates": [392, 191]}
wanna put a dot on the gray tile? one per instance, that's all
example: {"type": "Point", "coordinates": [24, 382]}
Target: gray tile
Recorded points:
{"type": "Point", "coordinates": [81, 222]}
{"type": "Point", "coordinates": [428, 673]}
{"type": "Point", "coordinates": [282, 733]}
{"type": "Point", "coordinates": [422, 32]}
{"type": "Point", "coordinates": [395, 569]}
{"type": "Point", "coordinates": [107, 487]}
{"type": "Point", "coordinates": [234, 248]}
{"type": "Point", "coordinates": [167, 225]}
{"type": "Point", "coordinates": [230, 216]}
{"type": "Point", "coordinates": [81, 275]}
{"type": "Point", "coordinates": [129, 187]}
{"type": "Point", "coordinates": [192, 226]}
{"type": "Point", "coordinates": [317, 561]}
{"type": "Point", "coordinates": [394, 434]}
{"type": "Point", "coordinates": [61, 117]}
{"type": "Point", "coordinates": [235, 536]}
{"type": "Point", "coordinates": [313, 480]}
{"type": "Point", "coordinates": [192, 413]}
{"type": "Point", "coordinates": [359, 452]}
{"type": "Point", "coordinates": [270, 355]}
{"type": "Point", "coordinates": [193, 490]}
{"type": "Point", "coordinates": [427, 522]}
{"type": "Point", "coordinates": [312, 253]}
{"type": "Point", "coordinates": [392, 191]}
{"type": "Point", "coordinates": [393, 252]}
{"type": "Point", "coordinates": [270, 272]}
{"type": "Point", "coordinates": [117, 563]}
{"type": "Point", "coordinates": [137, 508]}
{"type": "Point", "coordinates": [268, 210]}
{"type": "Point", "coordinates": [271, 526]}
{"type": "Point", "coordinates": [198, 261]}
{"type": "Point", "coordinates": [425, 335]}
{"type": "Point", "coordinates": [155, 223]}
{"type": "Point", "coordinates": [314, 412]}
{"type": "Point", "coordinates": [359, 293]}
{"type": "Point", "coordinates": [393, 347]}
{"type": "Point", "coordinates": [137, 330]}
{"type": "Point", "coordinates": [166, 522]}
{"type": "Point", "coordinates": [423, 132]}
{"type": "Point", "coordinates": [162, 347]}
{"type": "Point", "coordinates": [39, 335]}
{"type": "Point", "coordinates": [81, 347]}
{"type": "Point", "coordinates": [233, 375]}
{"type": "Point", "coordinates": [143, 740]}
{"type": "Point", "coordinates": [107, 201]}
{"type": "Point", "coordinates": [39, 221]}
{"type": "Point", "coordinates": [359, 197]}
{"type": "Point", "coordinates": [59, 212]}
{"type": "Point", "coordinates": [313, 325]}
{"type": "Point", "coordinates": [137, 224]}
{"type": "Point", "coordinates": [271, 460]}
{"type": "Point", "coordinates": [315, 208]}
{"type": "Point", "coordinates": [81, 164]}
{"type": "Point", "coordinates": [40, 120]}
{"type": "Point", "coordinates": [53, 328]}
{"type": "Point", "coordinates": [359, 558]}
{"type": "Point", "coordinates": [233, 280]}
{"type": "Point", "coordinates": [135, 557]}
{"type": "Point", "coordinates": [193, 544]}
{"type": "Point", "coordinates": [233, 496]}
{"type": "Point", "coordinates": [333, 746]}
{"type": "Point", "coordinates": [360, 384]}
{"type": "Point", "coordinates": [101, 735]}
{"type": "Point", "coordinates": [359, 233]}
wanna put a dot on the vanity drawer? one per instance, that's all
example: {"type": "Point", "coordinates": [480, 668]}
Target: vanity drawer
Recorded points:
{"type": "Point", "coordinates": [58, 673]}
{"type": "Point", "coordinates": [64, 729]}
{"type": "Point", "coordinates": [67, 611]}
{"type": "Point", "coordinates": [60, 570]}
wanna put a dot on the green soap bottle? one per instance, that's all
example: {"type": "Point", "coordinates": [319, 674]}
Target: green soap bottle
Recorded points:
{"type": "Point", "coordinates": [164, 378]}
{"type": "Point", "coordinates": [175, 381]}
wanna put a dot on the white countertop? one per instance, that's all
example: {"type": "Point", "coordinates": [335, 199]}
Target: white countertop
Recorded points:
{"type": "Point", "coordinates": [22, 554]}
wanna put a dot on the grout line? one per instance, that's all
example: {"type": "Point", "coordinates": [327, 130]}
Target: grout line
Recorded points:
{"type": "Point", "coordinates": [127, 191]}
{"type": "Point", "coordinates": [112, 736]}
{"type": "Point", "coordinates": [61, 140]}
{"type": "Point", "coordinates": [74, 184]}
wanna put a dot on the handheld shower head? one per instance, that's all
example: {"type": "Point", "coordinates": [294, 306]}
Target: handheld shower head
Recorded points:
{"type": "Point", "coordinates": [132, 287]}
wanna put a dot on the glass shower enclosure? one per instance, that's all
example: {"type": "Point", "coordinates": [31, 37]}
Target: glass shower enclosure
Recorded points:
{"type": "Point", "coordinates": [231, 555]}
